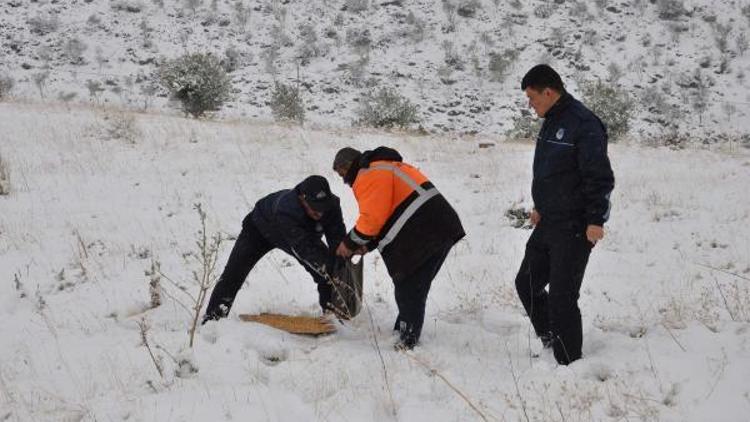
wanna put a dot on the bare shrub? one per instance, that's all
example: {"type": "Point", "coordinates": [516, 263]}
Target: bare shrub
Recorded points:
{"type": "Point", "coordinates": [500, 64]}
{"type": "Point", "coordinates": [414, 29]}
{"type": "Point", "coordinates": [452, 58]}
{"type": "Point", "coordinates": [66, 97]}
{"type": "Point", "coordinates": [360, 41]}
{"type": "Point", "coordinates": [233, 59]}
{"type": "Point", "coordinates": [518, 217]}
{"type": "Point", "coordinates": [122, 127]}
{"type": "Point", "coordinates": [670, 9]}
{"type": "Point", "coordinates": [154, 284]}
{"type": "Point", "coordinates": [241, 14]}
{"type": "Point", "coordinates": [269, 57]}
{"type": "Point", "coordinates": [544, 10]}
{"type": "Point", "coordinates": [94, 20]}
{"type": "Point", "coordinates": [286, 103]}
{"type": "Point", "coordinates": [193, 5]}
{"type": "Point", "coordinates": [742, 43]}
{"type": "Point", "coordinates": [131, 6]}
{"type": "Point", "coordinates": [579, 10]}
{"type": "Point", "coordinates": [450, 15]}
{"type": "Point", "coordinates": [310, 46]}
{"type": "Point", "coordinates": [356, 6]}
{"type": "Point", "coordinates": [6, 86]}
{"type": "Point", "coordinates": [206, 258]}
{"type": "Point", "coordinates": [653, 101]}
{"type": "Point", "coordinates": [74, 49]}
{"type": "Point", "coordinates": [386, 107]}
{"type": "Point", "coordinates": [40, 81]}
{"type": "Point", "coordinates": [95, 88]}
{"type": "Point", "coordinates": [614, 72]}
{"type": "Point", "coordinates": [612, 104]}
{"type": "Point", "coordinates": [144, 327]}
{"type": "Point", "coordinates": [468, 8]}
{"type": "Point", "coordinates": [4, 177]}
{"type": "Point", "coordinates": [41, 25]}
{"type": "Point", "coordinates": [525, 126]}
{"type": "Point", "coordinates": [721, 35]}
{"type": "Point", "coordinates": [197, 81]}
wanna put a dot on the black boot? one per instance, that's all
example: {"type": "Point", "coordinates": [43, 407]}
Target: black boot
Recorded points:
{"type": "Point", "coordinates": [548, 340]}
{"type": "Point", "coordinates": [215, 314]}
{"type": "Point", "coordinates": [408, 337]}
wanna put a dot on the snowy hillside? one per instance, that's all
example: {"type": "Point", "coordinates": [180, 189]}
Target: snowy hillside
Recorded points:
{"type": "Point", "coordinates": [97, 198]}
{"type": "Point", "coordinates": [683, 62]}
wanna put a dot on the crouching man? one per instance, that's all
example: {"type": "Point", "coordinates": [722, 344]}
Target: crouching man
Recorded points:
{"type": "Point", "coordinates": [293, 220]}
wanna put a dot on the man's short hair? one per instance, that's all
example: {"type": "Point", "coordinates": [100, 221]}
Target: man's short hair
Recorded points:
{"type": "Point", "coordinates": [542, 76]}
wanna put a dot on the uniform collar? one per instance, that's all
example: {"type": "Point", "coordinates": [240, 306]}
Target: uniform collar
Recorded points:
{"type": "Point", "coordinates": [561, 103]}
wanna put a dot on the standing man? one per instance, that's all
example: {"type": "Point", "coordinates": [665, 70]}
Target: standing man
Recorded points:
{"type": "Point", "coordinates": [293, 220]}
{"type": "Point", "coordinates": [403, 215]}
{"type": "Point", "coordinates": [571, 187]}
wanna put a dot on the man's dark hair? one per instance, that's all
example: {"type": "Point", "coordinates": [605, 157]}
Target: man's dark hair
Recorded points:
{"type": "Point", "coordinates": [542, 76]}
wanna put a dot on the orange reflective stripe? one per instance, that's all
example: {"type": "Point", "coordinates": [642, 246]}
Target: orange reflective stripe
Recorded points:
{"type": "Point", "coordinates": [380, 189]}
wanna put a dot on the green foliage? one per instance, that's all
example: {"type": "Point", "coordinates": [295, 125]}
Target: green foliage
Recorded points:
{"type": "Point", "coordinates": [525, 126]}
{"type": "Point", "coordinates": [386, 107]}
{"type": "Point", "coordinates": [4, 177]}
{"type": "Point", "coordinates": [670, 9]}
{"type": "Point", "coordinates": [613, 105]}
{"type": "Point", "coordinates": [500, 64]}
{"type": "Point", "coordinates": [6, 86]}
{"type": "Point", "coordinates": [286, 103]}
{"type": "Point", "coordinates": [197, 81]}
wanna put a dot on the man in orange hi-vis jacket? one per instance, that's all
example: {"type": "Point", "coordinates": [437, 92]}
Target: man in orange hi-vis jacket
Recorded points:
{"type": "Point", "coordinates": [405, 217]}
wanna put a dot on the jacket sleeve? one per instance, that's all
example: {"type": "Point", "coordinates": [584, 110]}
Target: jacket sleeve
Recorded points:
{"type": "Point", "coordinates": [596, 172]}
{"type": "Point", "coordinates": [334, 228]}
{"type": "Point", "coordinates": [374, 193]}
{"type": "Point", "coordinates": [303, 243]}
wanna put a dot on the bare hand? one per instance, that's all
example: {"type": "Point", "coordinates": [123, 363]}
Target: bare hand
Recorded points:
{"type": "Point", "coordinates": [361, 250]}
{"type": "Point", "coordinates": [535, 217]}
{"type": "Point", "coordinates": [594, 233]}
{"type": "Point", "coordinates": [343, 250]}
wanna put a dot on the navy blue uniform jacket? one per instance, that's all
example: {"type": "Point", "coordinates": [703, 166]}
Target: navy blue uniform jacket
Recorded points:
{"type": "Point", "coordinates": [282, 220]}
{"type": "Point", "coordinates": [572, 174]}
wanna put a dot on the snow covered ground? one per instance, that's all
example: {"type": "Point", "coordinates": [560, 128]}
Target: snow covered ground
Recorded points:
{"type": "Point", "coordinates": [665, 301]}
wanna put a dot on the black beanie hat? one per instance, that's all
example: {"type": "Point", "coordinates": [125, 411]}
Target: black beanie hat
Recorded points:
{"type": "Point", "coordinates": [317, 193]}
{"type": "Point", "coordinates": [345, 157]}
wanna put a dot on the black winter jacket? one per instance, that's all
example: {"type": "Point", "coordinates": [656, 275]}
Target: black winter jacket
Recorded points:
{"type": "Point", "coordinates": [282, 220]}
{"type": "Point", "coordinates": [428, 231]}
{"type": "Point", "coordinates": [573, 178]}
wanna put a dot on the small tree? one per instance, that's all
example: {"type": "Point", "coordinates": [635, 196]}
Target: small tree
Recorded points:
{"type": "Point", "coordinates": [742, 43]}
{"type": "Point", "coordinates": [198, 81]}
{"type": "Point", "coordinates": [40, 81]}
{"type": "Point", "coordinates": [6, 86]}
{"type": "Point", "coordinates": [241, 15]}
{"type": "Point", "coordinates": [356, 6]}
{"type": "Point", "coordinates": [4, 177]}
{"type": "Point", "coordinates": [40, 25]}
{"type": "Point", "coordinates": [385, 107]}
{"type": "Point", "coordinates": [500, 63]}
{"type": "Point", "coordinates": [286, 103]}
{"type": "Point", "coordinates": [612, 104]}
{"type": "Point", "coordinates": [74, 49]}
{"type": "Point", "coordinates": [670, 9]}
{"type": "Point", "coordinates": [205, 276]}
{"type": "Point", "coordinates": [525, 126]}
